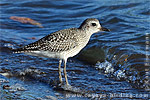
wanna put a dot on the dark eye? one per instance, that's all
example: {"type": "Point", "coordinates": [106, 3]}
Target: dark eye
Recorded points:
{"type": "Point", "coordinates": [93, 24]}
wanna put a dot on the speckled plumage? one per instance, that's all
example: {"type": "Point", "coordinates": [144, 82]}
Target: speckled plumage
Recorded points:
{"type": "Point", "coordinates": [64, 43]}
{"type": "Point", "coordinates": [59, 41]}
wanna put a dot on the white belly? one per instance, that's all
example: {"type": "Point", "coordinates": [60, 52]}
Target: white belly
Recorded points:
{"type": "Point", "coordinates": [47, 54]}
{"type": "Point", "coordinates": [57, 55]}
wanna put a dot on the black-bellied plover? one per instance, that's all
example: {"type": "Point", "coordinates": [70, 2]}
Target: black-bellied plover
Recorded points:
{"type": "Point", "coordinates": [64, 43]}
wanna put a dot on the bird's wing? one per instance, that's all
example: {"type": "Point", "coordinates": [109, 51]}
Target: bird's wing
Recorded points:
{"type": "Point", "coordinates": [59, 41]}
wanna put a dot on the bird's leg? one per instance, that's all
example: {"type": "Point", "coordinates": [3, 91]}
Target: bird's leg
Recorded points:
{"type": "Point", "coordinates": [59, 69]}
{"type": "Point", "coordinates": [65, 73]}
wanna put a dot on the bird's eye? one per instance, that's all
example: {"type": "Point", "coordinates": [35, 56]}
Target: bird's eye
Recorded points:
{"type": "Point", "coordinates": [93, 24]}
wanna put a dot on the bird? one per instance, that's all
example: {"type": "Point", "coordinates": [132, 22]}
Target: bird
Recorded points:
{"type": "Point", "coordinates": [63, 44]}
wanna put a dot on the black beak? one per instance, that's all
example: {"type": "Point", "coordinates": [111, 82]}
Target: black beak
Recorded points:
{"type": "Point", "coordinates": [104, 29]}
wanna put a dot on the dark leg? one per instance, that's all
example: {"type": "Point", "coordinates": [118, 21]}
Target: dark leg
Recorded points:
{"type": "Point", "coordinates": [65, 73]}
{"type": "Point", "coordinates": [59, 69]}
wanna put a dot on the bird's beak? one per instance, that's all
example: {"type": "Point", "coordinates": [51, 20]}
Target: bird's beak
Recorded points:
{"type": "Point", "coordinates": [104, 29]}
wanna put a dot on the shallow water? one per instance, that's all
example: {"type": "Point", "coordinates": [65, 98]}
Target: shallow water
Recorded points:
{"type": "Point", "coordinates": [124, 73]}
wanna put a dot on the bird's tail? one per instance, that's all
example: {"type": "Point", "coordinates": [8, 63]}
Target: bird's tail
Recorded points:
{"type": "Point", "coordinates": [20, 50]}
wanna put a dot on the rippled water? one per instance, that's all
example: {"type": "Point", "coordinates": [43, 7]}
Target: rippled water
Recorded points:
{"type": "Point", "coordinates": [126, 64]}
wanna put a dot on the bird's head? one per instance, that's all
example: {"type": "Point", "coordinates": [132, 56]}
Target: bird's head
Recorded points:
{"type": "Point", "coordinates": [92, 25]}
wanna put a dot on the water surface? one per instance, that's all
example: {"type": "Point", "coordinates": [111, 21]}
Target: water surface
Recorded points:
{"type": "Point", "coordinates": [123, 73]}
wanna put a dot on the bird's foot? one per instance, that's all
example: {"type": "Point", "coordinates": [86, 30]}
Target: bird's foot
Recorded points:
{"type": "Point", "coordinates": [66, 86]}
{"type": "Point", "coordinates": [60, 84]}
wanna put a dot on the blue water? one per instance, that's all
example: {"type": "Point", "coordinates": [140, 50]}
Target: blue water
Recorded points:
{"type": "Point", "coordinates": [126, 47]}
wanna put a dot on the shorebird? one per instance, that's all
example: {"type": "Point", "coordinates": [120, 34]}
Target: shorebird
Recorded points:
{"type": "Point", "coordinates": [63, 44]}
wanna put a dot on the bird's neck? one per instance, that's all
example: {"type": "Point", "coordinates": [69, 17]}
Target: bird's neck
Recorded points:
{"type": "Point", "coordinates": [85, 34]}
